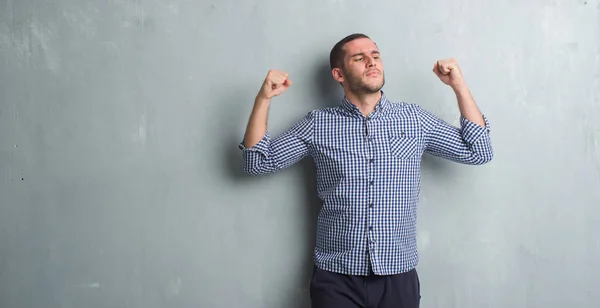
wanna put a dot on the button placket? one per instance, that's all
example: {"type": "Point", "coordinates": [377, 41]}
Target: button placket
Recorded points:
{"type": "Point", "coordinates": [369, 126]}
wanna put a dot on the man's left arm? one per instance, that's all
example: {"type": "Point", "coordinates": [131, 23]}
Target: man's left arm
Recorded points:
{"type": "Point", "coordinates": [469, 144]}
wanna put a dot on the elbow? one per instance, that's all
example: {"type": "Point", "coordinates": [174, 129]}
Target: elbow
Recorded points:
{"type": "Point", "coordinates": [490, 157]}
{"type": "Point", "coordinates": [257, 168]}
{"type": "Point", "coordinates": [250, 170]}
{"type": "Point", "coordinates": [483, 158]}
{"type": "Point", "coordinates": [255, 163]}
{"type": "Point", "coordinates": [482, 153]}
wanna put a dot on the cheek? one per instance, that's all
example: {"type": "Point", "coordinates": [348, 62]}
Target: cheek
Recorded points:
{"type": "Point", "coordinates": [358, 72]}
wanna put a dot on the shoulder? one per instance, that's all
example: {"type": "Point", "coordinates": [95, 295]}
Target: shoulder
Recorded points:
{"type": "Point", "coordinates": [404, 108]}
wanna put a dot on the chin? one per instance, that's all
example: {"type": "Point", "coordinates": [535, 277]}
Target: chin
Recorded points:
{"type": "Point", "coordinates": [378, 81]}
{"type": "Point", "coordinates": [376, 86]}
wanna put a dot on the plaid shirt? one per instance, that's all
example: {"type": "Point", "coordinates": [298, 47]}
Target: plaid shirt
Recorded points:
{"type": "Point", "coordinates": [368, 177]}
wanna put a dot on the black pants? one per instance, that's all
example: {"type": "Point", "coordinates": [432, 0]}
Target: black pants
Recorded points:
{"type": "Point", "coordinates": [332, 290]}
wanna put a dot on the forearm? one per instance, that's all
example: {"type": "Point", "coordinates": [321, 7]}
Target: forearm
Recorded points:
{"type": "Point", "coordinates": [467, 105]}
{"type": "Point", "coordinates": [257, 123]}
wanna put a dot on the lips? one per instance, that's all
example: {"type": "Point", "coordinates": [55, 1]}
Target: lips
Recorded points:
{"type": "Point", "coordinates": [373, 73]}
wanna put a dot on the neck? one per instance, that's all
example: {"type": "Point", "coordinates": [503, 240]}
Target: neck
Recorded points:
{"type": "Point", "coordinates": [365, 102]}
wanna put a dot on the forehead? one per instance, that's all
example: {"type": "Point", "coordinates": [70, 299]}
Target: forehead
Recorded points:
{"type": "Point", "coordinates": [361, 45]}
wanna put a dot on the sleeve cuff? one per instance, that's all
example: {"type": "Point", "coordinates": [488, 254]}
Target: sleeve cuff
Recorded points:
{"type": "Point", "coordinates": [472, 131]}
{"type": "Point", "coordinates": [261, 146]}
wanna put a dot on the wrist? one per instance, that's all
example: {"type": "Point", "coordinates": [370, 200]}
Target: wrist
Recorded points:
{"type": "Point", "coordinates": [460, 88]}
{"type": "Point", "coordinates": [261, 100]}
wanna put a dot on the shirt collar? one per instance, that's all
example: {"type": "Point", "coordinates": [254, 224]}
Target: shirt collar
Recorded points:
{"type": "Point", "coordinates": [379, 110]}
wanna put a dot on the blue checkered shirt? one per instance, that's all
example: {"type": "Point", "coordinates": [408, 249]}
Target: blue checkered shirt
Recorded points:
{"type": "Point", "coordinates": [368, 177]}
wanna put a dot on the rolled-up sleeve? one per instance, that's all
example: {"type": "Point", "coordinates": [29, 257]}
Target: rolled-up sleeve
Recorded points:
{"type": "Point", "coordinates": [273, 154]}
{"type": "Point", "coordinates": [468, 144]}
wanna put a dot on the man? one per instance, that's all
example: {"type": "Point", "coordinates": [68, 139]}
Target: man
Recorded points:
{"type": "Point", "coordinates": [368, 153]}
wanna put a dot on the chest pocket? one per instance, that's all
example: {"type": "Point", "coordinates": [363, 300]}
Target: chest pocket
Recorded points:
{"type": "Point", "coordinates": [402, 145]}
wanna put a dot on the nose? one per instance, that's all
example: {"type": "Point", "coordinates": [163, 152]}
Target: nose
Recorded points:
{"type": "Point", "coordinates": [370, 62]}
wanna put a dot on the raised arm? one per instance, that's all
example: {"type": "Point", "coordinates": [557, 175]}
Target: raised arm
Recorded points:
{"type": "Point", "coordinates": [469, 144]}
{"type": "Point", "coordinates": [274, 84]}
{"type": "Point", "coordinates": [449, 73]}
{"type": "Point", "coordinates": [261, 153]}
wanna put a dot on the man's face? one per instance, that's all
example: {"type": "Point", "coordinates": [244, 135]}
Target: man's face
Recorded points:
{"type": "Point", "coordinates": [362, 69]}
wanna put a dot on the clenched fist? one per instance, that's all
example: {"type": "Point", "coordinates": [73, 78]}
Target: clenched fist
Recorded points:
{"type": "Point", "coordinates": [275, 83]}
{"type": "Point", "coordinates": [449, 72]}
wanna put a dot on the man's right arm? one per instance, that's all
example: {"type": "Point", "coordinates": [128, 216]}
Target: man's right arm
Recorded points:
{"type": "Point", "coordinates": [261, 153]}
{"type": "Point", "coordinates": [257, 123]}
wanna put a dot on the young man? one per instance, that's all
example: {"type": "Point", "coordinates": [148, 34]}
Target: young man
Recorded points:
{"type": "Point", "coordinates": [368, 153]}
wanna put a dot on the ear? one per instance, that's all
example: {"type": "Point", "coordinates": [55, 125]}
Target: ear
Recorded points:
{"type": "Point", "coordinates": [337, 75]}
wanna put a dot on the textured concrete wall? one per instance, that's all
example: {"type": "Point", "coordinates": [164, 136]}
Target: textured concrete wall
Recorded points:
{"type": "Point", "coordinates": [121, 181]}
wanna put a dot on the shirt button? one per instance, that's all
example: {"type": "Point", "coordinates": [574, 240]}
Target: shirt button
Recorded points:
{"type": "Point", "coordinates": [370, 228]}
{"type": "Point", "coordinates": [371, 205]}
{"type": "Point", "coordinates": [371, 183]}
{"type": "Point", "coordinates": [371, 160]}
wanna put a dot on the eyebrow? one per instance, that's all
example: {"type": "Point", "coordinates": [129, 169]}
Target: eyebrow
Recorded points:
{"type": "Point", "coordinates": [362, 53]}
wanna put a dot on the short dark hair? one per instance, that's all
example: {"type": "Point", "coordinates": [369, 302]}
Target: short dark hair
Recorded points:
{"type": "Point", "coordinates": [336, 56]}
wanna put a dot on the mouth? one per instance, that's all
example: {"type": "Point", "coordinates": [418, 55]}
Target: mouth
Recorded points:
{"type": "Point", "coordinates": [373, 73]}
